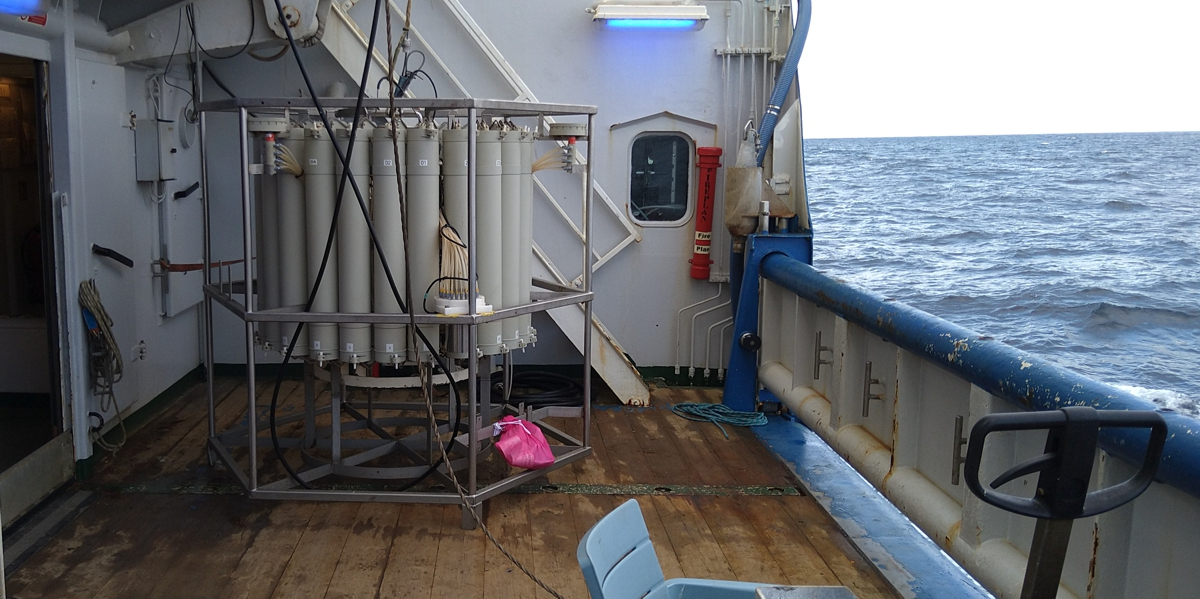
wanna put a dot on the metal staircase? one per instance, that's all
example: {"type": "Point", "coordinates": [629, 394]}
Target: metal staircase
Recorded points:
{"type": "Point", "coordinates": [347, 43]}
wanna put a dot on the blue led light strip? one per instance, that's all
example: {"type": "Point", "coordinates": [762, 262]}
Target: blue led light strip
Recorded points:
{"type": "Point", "coordinates": [652, 23]}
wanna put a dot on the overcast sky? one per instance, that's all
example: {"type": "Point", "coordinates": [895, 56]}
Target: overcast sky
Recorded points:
{"type": "Point", "coordinates": [882, 68]}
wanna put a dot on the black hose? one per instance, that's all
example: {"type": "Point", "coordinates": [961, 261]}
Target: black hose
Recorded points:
{"type": "Point", "coordinates": [347, 176]}
{"type": "Point", "coordinates": [542, 389]}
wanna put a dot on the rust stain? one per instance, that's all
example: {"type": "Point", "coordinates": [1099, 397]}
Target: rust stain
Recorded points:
{"type": "Point", "coordinates": [895, 420]}
{"type": "Point", "coordinates": [1091, 586]}
{"type": "Point", "coordinates": [951, 534]}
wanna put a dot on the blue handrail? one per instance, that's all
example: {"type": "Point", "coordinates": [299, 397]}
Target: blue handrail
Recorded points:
{"type": "Point", "coordinates": [998, 368]}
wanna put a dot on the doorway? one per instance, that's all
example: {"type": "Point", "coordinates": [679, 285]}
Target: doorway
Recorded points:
{"type": "Point", "coordinates": [31, 414]}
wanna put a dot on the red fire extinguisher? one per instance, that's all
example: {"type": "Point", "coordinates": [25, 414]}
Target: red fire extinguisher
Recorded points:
{"type": "Point", "coordinates": [708, 159]}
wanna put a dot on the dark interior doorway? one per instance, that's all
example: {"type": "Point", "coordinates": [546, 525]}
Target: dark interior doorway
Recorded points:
{"type": "Point", "coordinates": [30, 413]}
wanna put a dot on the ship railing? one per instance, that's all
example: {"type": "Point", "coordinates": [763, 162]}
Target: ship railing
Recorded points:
{"type": "Point", "coordinates": [895, 391]}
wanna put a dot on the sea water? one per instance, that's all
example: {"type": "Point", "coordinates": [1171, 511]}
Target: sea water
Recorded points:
{"type": "Point", "coordinates": [1083, 249]}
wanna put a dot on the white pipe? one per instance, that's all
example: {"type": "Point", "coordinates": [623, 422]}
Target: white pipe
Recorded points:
{"type": "Point", "coordinates": [293, 261]}
{"type": "Point", "coordinates": [319, 190]}
{"type": "Point", "coordinates": [721, 352]}
{"type": "Point", "coordinates": [679, 322]}
{"type": "Point", "coordinates": [708, 342]}
{"type": "Point", "coordinates": [391, 340]}
{"type": "Point", "coordinates": [692, 337]}
{"type": "Point", "coordinates": [454, 206]}
{"type": "Point", "coordinates": [510, 233]}
{"type": "Point", "coordinates": [354, 249]}
{"type": "Point", "coordinates": [424, 223]}
{"type": "Point", "coordinates": [489, 234]}
{"type": "Point", "coordinates": [454, 179]}
{"type": "Point", "coordinates": [268, 279]}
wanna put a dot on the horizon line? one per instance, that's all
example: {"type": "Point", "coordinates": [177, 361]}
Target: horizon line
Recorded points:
{"type": "Point", "coordinates": [806, 137]}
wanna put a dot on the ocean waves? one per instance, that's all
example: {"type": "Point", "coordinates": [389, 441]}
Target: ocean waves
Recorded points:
{"type": "Point", "coordinates": [1113, 316]}
{"type": "Point", "coordinates": [1081, 248]}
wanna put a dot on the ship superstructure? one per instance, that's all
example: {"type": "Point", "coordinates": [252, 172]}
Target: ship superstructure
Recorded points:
{"type": "Point", "coordinates": [359, 222]}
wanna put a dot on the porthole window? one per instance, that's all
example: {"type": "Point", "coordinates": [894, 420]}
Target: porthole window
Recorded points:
{"type": "Point", "coordinates": [659, 177]}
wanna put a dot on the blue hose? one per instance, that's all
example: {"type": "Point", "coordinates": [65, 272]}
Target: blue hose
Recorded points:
{"type": "Point", "coordinates": [766, 129]}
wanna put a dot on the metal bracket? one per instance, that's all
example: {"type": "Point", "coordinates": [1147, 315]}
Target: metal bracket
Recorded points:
{"type": "Point", "coordinates": [956, 456]}
{"type": "Point", "coordinates": [741, 380]}
{"type": "Point", "coordinates": [817, 361]}
{"type": "Point", "coordinates": [867, 395]}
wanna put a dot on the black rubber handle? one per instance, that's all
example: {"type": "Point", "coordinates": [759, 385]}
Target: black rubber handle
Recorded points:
{"type": "Point", "coordinates": [183, 193]}
{"type": "Point", "coordinates": [114, 254]}
{"type": "Point", "coordinates": [1066, 465]}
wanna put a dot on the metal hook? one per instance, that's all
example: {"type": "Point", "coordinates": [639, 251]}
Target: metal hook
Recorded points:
{"type": "Point", "coordinates": [748, 129]}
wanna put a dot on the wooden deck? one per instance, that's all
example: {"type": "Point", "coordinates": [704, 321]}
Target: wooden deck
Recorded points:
{"type": "Point", "coordinates": [164, 524]}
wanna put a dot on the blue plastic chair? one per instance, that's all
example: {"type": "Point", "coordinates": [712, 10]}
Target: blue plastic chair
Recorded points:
{"type": "Point", "coordinates": [619, 562]}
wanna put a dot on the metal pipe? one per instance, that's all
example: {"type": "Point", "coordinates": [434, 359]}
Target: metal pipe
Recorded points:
{"type": "Point", "coordinates": [247, 215]}
{"type": "Point", "coordinates": [247, 269]}
{"type": "Point", "coordinates": [336, 388]}
{"type": "Point", "coordinates": [679, 322]}
{"type": "Point", "coordinates": [310, 404]}
{"type": "Point", "coordinates": [3, 593]}
{"type": "Point", "coordinates": [525, 271]}
{"type": "Point", "coordinates": [472, 293]}
{"type": "Point", "coordinates": [1023, 379]}
{"type": "Point", "coordinates": [588, 197]}
{"type": "Point", "coordinates": [206, 253]}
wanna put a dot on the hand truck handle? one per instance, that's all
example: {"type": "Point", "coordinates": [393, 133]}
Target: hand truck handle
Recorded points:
{"type": "Point", "coordinates": [1066, 464]}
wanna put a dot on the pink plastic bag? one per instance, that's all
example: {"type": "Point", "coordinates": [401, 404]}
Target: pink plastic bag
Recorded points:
{"type": "Point", "coordinates": [522, 444]}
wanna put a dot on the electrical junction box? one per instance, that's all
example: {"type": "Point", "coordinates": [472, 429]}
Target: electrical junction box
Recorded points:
{"type": "Point", "coordinates": [154, 149]}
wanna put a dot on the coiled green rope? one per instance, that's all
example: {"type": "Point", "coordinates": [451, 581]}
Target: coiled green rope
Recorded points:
{"type": "Point", "coordinates": [718, 413]}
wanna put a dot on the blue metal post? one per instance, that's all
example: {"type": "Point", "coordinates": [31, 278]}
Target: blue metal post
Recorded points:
{"type": "Point", "coordinates": [741, 379]}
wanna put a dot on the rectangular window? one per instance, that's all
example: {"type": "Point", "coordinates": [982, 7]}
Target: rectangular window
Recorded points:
{"type": "Point", "coordinates": [660, 169]}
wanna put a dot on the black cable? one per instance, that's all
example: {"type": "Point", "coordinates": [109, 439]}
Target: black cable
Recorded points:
{"type": "Point", "coordinates": [272, 58]}
{"type": "Point", "coordinates": [218, 81]}
{"type": "Point", "coordinates": [425, 298]}
{"type": "Point", "coordinates": [542, 389]}
{"type": "Point", "coordinates": [253, 25]}
{"type": "Point", "coordinates": [451, 239]}
{"type": "Point", "coordinates": [347, 175]}
{"type": "Point", "coordinates": [427, 78]}
{"type": "Point", "coordinates": [171, 58]}
{"type": "Point", "coordinates": [178, 30]}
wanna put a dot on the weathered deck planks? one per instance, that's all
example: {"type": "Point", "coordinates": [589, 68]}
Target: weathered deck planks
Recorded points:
{"type": "Point", "coordinates": [137, 544]}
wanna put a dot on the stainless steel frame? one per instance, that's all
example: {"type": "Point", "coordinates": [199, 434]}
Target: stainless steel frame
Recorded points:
{"type": "Point", "coordinates": [479, 416]}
